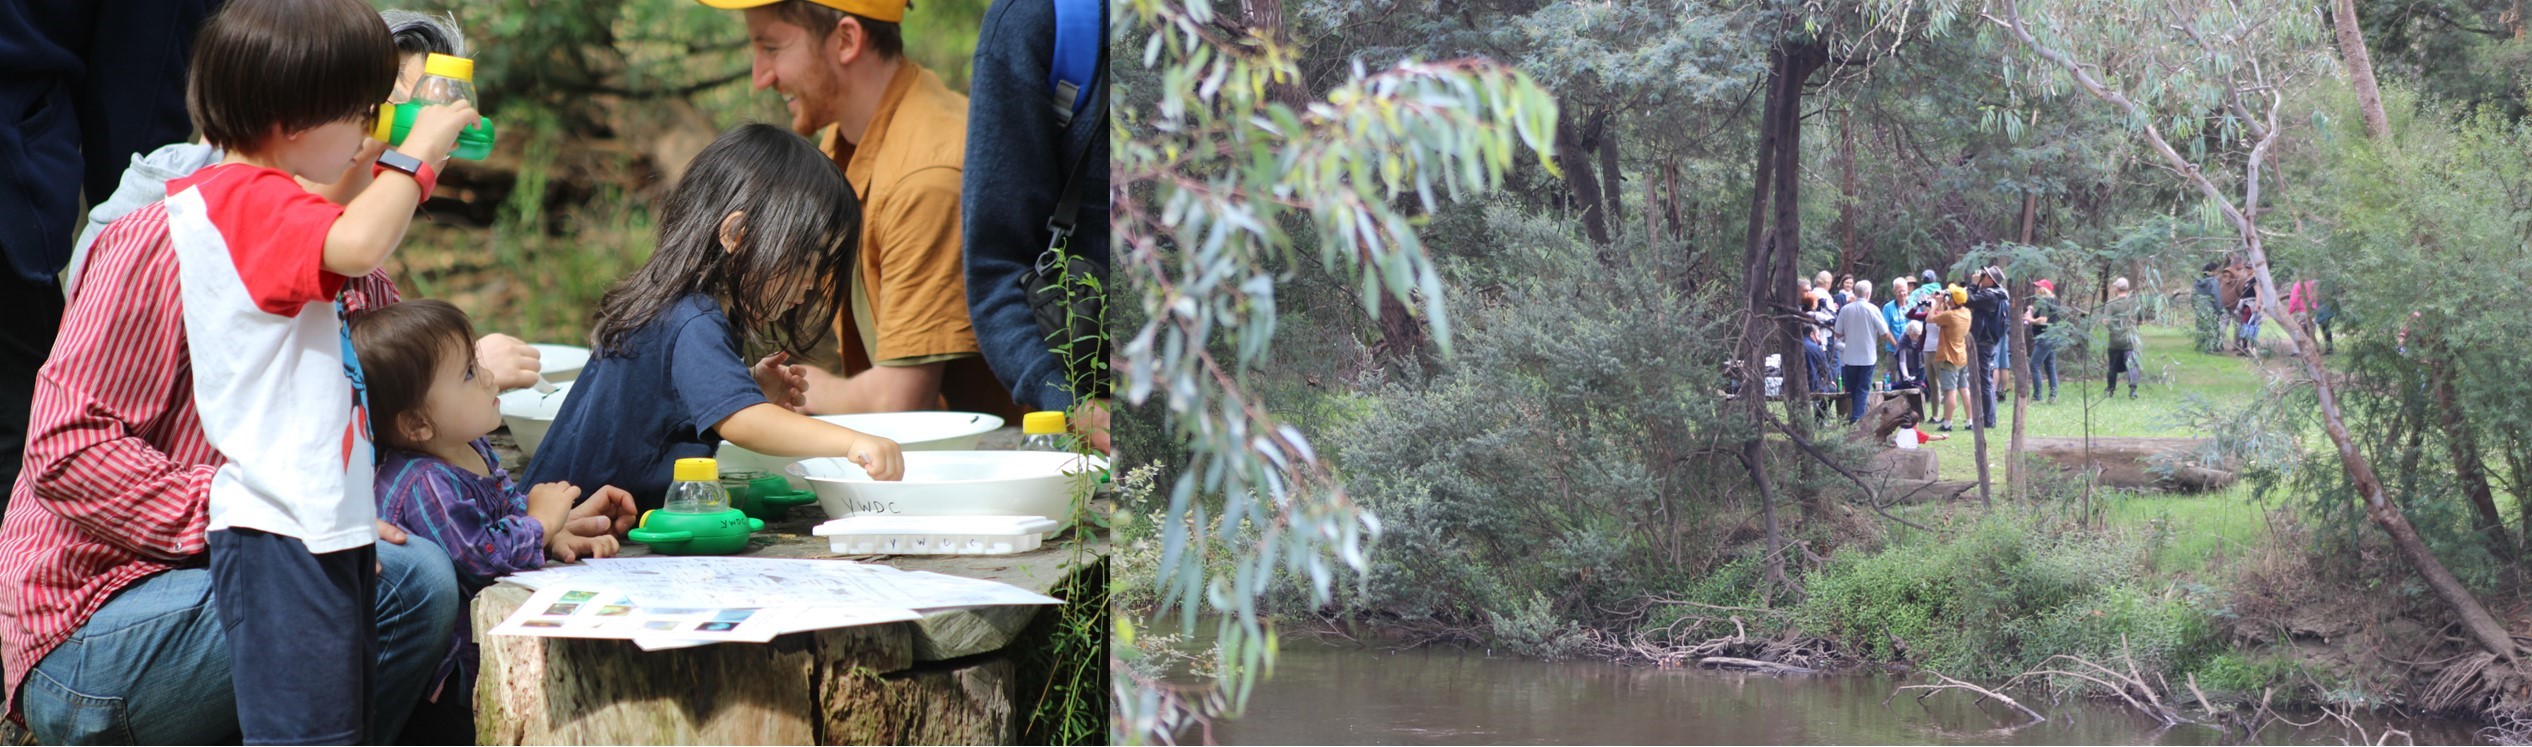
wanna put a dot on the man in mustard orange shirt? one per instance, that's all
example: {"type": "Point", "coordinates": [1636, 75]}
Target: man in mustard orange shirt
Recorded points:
{"type": "Point", "coordinates": [901, 138]}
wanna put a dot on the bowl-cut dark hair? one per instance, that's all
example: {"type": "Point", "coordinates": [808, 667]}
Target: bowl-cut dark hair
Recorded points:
{"type": "Point", "coordinates": [293, 63]}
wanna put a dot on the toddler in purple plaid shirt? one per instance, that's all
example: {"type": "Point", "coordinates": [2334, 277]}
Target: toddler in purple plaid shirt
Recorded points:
{"type": "Point", "coordinates": [429, 411]}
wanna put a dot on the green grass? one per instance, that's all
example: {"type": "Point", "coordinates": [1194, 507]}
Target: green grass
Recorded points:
{"type": "Point", "coordinates": [2188, 536]}
{"type": "Point", "coordinates": [2174, 371]}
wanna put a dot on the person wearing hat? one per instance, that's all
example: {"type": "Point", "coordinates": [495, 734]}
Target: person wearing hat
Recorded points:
{"type": "Point", "coordinates": [1927, 284]}
{"type": "Point", "coordinates": [2043, 309]}
{"type": "Point", "coordinates": [900, 136]}
{"type": "Point", "coordinates": [1948, 331]}
{"type": "Point", "coordinates": [1991, 318]}
{"type": "Point", "coordinates": [2119, 318]}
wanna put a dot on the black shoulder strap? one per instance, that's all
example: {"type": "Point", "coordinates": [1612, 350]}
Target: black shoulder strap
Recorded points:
{"type": "Point", "coordinates": [1068, 208]}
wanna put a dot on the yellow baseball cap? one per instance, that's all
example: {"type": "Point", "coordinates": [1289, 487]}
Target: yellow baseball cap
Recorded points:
{"type": "Point", "coordinates": [1959, 296]}
{"type": "Point", "coordinates": [892, 11]}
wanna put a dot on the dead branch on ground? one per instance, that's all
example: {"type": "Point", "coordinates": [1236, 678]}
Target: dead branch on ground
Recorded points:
{"type": "Point", "coordinates": [1984, 695]}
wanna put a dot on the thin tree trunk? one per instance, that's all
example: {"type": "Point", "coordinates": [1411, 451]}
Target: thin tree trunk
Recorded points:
{"type": "Point", "coordinates": [1609, 176]}
{"type": "Point", "coordinates": [1266, 18]}
{"type": "Point", "coordinates": [2014, 477]}
{"type": "Point", "coordinates": [1574, 156]}
{"type": "Point", "coordinates": [2413, 448]}
{"type": "Point", "coordinates": [1652, 208]}
{"type": "Point", "coordinates": [1754, 454]}
{"type": "Point", "coordinates": [1978, 425]}
{"type": "Point", "coordinates": [1847, 251]}
{"type": "Point", "coordinates": [2360, 68]}
{"type": "Point", "coordinates": [1670, 186]}
{"type": "Point", "coordinates": [1758, 263]}
{"type": "Point", "coordinates": [1786, 232]}
{"type": "Point", "coordinates": [2461, 444]}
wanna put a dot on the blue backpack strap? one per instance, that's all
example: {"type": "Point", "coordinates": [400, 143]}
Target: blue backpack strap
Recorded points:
{"type": "Point", "coordinates": [352, 371]}
{"type": "Point", "coordinates": [1078, 42]}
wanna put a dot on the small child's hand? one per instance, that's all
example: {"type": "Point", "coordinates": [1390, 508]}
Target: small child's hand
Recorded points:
{"type": "Point", "coordinates": [784, 385]}
{"type": "Point", "coordinates": [567, 547]}
{"type": "Point", "coordinates": [435, 130]}
{"type": "Point", "coordinates": [610, 503]}
{"type": "Point", "coordinates": [551, 499]}
{"type": "Point", "coordinates": [878, 456]}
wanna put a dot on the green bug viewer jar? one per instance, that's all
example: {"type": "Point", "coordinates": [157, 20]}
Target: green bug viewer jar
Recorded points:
{"type": "Point", "coordinates": [697, 519]}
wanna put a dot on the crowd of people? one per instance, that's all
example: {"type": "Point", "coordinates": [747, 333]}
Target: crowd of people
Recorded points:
{"type": "Point", "coordinates": [1951, 343]}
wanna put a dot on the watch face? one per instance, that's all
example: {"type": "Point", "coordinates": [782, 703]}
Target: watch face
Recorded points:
{"type": "Point", "coordinates": [400, 162]}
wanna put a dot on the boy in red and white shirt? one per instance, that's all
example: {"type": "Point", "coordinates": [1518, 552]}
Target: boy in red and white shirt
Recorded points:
{"type": "Point", "coordinates": [1908, 437]}
{"type": "Point", "coordinates": [286, 88]}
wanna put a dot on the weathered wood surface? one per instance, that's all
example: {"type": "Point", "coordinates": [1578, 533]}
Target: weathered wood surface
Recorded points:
{"type": "Point", "coordinates": [964, 705]}
{"type": "Point", "coordinates": [2127, 462]}
{"type": "Point", "coordinates": [1905, 464]}
{"type": "Point", "coordinates": [944, 680]}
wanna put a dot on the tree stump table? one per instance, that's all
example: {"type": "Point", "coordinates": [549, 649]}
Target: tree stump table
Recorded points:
{"type": "Point", "coordinates": [948, 678]}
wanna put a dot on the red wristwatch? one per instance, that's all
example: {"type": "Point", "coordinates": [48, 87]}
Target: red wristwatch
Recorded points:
{"type": "Point", "coordinates": [414, 167]}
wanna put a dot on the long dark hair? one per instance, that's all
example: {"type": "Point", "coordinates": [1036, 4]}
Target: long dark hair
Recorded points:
{"type": "Point", "coordinates": [799, 213]}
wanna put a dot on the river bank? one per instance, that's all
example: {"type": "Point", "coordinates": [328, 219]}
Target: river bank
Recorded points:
{"type": "Point", "coordinates": [2220, 607]}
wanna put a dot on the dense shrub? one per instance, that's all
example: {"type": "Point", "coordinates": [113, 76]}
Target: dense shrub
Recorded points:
{"type": "Point", "coordinates": [2002, 596]}
{"type": "Point", "coordinates": [1558, 464]}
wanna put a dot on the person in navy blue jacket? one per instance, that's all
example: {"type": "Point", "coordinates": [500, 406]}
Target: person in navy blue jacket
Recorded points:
{"type": "Point", "coordinates": [87, 84]}
{"type": "Point", "coordinates": [1017, 153]}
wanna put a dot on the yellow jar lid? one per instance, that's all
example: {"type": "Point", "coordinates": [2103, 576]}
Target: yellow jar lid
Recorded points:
{"type": "Point", "coordinates": [383, 125]}
{"type": "Point", "coordinates": [698, 469]}
{"type": "Point", "coordinates": [1041, 423]}
{"type": "Point", "coordinates": [449, 67]}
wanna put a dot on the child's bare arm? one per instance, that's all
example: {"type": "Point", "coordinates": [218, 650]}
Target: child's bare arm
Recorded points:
{"type": "Point", "coordinates": [770, 429]}
{"type": "Point", "coordinates": [374, 222]}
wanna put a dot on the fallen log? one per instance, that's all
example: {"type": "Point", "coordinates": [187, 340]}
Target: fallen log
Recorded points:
{"type": "Point", "coordinates": [1752, 665]}
{"type": "Point", "coordinates": [2128, 462]}
{"type": "Point", "coordinates": [1898, 492]}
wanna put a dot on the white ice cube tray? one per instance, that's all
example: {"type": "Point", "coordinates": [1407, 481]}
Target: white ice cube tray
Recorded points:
{"type": "Point", "coordinates": [935, 535]}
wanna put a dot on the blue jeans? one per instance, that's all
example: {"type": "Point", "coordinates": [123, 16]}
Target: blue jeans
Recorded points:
{"type": "Point", "coordinates": [152, 666]}
{"type": "Point", "coordinates": [1982, 381]}
{"type": "Point", "coordinates": [1858, 381]}
{"type": "Point", "coordinates": [303, 636]}
{"type": "Point", "coordinates": [2043, 367]}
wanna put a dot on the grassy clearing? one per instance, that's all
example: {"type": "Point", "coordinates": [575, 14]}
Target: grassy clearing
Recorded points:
{"type": "Point", "coordinates": [2186, 537]}
{"type": "Point", "coordinates": [2191, 537]}
{"type": "Point", "coordinates": [2174, 372]}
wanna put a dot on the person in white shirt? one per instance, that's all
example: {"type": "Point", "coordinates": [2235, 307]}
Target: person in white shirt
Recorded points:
{"type": "Point", "coordinates": [1858, 324]}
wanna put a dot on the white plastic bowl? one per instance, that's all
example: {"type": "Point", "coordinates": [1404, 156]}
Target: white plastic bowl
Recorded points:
{"type": "Point", "coordinates": [913, 431]}
{"type": "Point", "coordinates": [529, 414]}
{"type": "Point", "coordinates": [953, 483]}
{"type": "Point", "coordinates": [560, 363]}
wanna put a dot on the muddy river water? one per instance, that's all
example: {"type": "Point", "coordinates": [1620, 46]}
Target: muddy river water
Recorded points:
{"type": "Point", "coordinates": [1328, 695]}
